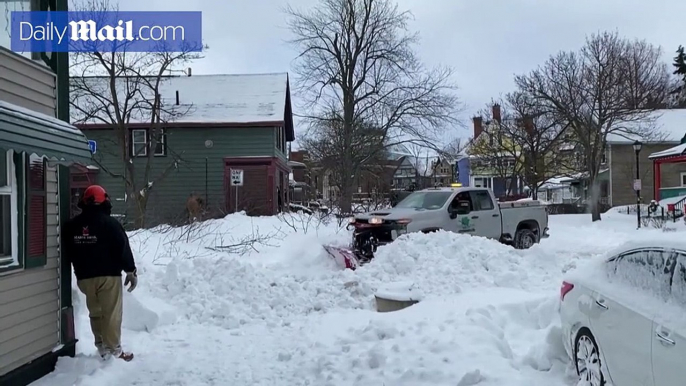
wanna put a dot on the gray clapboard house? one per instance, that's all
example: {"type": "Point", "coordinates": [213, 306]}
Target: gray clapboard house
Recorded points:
{"type": "Point", "coordinates": [220, 122]}
{"type": "Point", "coordinates": [36, 317]}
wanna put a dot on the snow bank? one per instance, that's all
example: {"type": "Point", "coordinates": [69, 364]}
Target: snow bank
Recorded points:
{"type": "Point", "coordinates": [445, 263]}
{"type": "Point", "coordinates": [466, 339]}
{"type": "Point", "coordinates": [288, 275]}
{"type": "Point", "coordinates": [273, 268]}
{"type": "Point", "coordinates": [257, 301]}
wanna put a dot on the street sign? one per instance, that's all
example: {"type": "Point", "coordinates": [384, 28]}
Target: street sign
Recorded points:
{"type": "Point", "coordinates": [637, 185]}
{"type": "Point", "coordinates": [236, 177]}
{"type": "Point", "coordinates": [93, 146]}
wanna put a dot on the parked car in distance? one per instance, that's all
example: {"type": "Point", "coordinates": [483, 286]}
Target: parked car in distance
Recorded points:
{"type": "Point", "coordinates": [624, 316]}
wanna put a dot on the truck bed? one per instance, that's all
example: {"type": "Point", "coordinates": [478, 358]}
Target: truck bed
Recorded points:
{"type": "Point", "coordinates": [519, 204]}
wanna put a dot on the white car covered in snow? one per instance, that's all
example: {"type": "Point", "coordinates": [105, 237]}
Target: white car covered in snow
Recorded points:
{"type": "Point", "coordinates": [624, 316]}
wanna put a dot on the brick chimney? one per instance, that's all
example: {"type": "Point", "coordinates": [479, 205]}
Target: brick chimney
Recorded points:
{"type": "Point", "coordinates": [496, 113]}
{"type": "Point", "coordinates": [529, 125]}
{"type": "Point", "coordinates": [478, 126]}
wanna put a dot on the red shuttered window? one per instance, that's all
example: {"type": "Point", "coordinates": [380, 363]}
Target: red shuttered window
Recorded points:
{"type": "Point", "coordinates": [36, 254]}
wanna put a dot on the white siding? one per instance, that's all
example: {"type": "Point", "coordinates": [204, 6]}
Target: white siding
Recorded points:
{"type": "Point", "coordinates": [29, 299]}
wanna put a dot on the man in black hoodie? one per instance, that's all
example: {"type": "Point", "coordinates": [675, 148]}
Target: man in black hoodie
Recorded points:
{"type": "Point", "coordinates": [97, 246]}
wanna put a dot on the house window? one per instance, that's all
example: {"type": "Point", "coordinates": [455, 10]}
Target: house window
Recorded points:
{"type": "Point", "coordinates": [8, 241]}
{"type": "Point", "coordinates": [683, 178]}
{"type": "Point", "coordinates": [281, 139]}
{"type": "Point", "coordinates": [23, 208]}
{"type": "Point", "coordinates": [140, 141]}
{"type": "Point", "coordinates": [603, 156]}
{"type": "Point", "coordinates": [483, 182]}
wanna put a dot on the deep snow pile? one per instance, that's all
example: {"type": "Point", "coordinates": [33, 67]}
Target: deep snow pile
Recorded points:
{"type": "Point", "coordinates": [289, 275]}
{"type": "Point", "coordinates": [256, 301]}
{"type": "Point", "coordinates": [445, 263]}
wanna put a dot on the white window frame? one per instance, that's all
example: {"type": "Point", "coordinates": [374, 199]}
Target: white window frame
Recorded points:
{"type": "Point", "coordinates": [10, 190]}
{"type": "Point", "coordinates": [134, 153]}
{"type": "Point", "coordinates": [683, 178]}
{"type": "Point", "coordinates": [163, 141]}
{"type": "Point", "coordinates": [487, 180]}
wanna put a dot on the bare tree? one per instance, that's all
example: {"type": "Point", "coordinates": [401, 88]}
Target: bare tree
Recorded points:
{"type": "Point", "coordinates": [523, 143]}
{"type": "Point", "coordinates": [608, 87]}
{"type": "Point", "coordinates": [422, 157]}
{"type": "Point", "coordinates": [120, 89]}
{"type": "Point", "coordinates": [454, 149]}
{"type": "Point", "coordinates": [357, 61]}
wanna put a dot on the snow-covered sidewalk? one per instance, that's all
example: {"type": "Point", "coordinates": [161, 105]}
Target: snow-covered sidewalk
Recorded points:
{"type": "Point", "coordinates": [284, 314]}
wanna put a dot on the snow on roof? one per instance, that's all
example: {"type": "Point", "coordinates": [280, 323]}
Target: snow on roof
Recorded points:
{"type": "Point", "coordinates": [670, 122]}
{"type": "Point", "coordinates": [296, 165]}
{"type": "Point", "coordinates": [672, 151]}
{"type": "Point", "coordinates": [242, 98]}
{"type": "Point", "coordinates": [397, 151]}
{"type": "Point", "coordinates": [39, 118]}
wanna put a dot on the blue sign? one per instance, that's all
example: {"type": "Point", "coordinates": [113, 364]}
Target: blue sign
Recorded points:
{"type": "Point", "coordinates": [110, 31]}
{"type": "Point", "coordinates": [93, 146]}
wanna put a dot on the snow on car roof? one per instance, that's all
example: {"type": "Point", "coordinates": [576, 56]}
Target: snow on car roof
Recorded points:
{"type": "Point", "coordinates": [667, 242]}
{"type": "Point", "coordinates": [589, 270]}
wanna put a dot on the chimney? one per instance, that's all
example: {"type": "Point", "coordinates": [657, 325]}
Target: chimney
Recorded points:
{"type": "Point", "coordinates": [496, 113]}
{"type": "Point", "coordinates": [190, 71]}
{"type": "Point", "coordinates": [529, 125]}
{"type": "Point", "coordinates": [478, 126]}
{"type": "Point", "coordinates": [177, 98]}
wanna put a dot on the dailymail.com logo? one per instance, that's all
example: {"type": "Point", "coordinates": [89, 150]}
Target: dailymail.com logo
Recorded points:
{"type": "Point", "coordinates": [106, 32]}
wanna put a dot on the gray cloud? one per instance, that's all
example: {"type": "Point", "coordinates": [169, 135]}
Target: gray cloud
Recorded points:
{"type": "Point", "coordinates": [486, 42]}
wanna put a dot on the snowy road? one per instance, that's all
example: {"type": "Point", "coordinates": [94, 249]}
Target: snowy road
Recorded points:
{"type": "Point", "coordinates": [290, 318]}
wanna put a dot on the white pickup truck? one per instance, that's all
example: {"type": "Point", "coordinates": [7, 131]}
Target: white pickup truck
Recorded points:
{"type": "Point", "coordinates": [474, 211]}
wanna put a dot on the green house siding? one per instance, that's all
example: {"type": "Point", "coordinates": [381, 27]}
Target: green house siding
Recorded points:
{"type": "Point", "coordinates": [200, 171]}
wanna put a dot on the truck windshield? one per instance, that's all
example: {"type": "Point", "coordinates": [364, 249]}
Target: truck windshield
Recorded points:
{"type": "Point", "coordinates": [425, 200]}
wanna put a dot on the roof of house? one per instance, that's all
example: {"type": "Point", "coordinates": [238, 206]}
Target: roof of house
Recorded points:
{"type": "Point", "coordinates": [397, 151]}
{"type": "Point", "coordinates": [29, 131]}
{"type": "Point", "coordinates": [227, 98]}
{"type": "Point", "coordinates": [671, 123]}
{"type": "Point", "coordinates": [671, 152]}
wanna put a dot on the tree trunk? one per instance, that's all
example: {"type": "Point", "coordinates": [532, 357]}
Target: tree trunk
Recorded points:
{"type": "Point", "coordinates": [594, 191]}
{"type": "Point", "coordinates": [137, 206]}
{"type": "Point", "coordinates": [346, 197]}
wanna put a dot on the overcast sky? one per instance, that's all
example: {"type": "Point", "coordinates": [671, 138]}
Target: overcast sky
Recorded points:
{"type": "Point", "coordinates": [486, 42]}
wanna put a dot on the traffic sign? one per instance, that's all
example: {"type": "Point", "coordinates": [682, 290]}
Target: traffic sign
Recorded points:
{"type": "Point", "coordinates": [93, 146]}
{"type": "Point", "coordinates": [236, 177]}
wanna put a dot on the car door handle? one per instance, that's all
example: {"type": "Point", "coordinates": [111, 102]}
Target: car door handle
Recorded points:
{"type": "Point", "coordinates": [495, 215]}
{"type": "Point", "coordinates": [601, 305]}
{"type": "Point", "coordinates": [664, 339]}
{"type": "Point", "coordinates": [474, 217]}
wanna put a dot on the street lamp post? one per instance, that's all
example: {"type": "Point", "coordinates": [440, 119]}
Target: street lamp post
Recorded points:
{"type": "Point", "coordinates": [637, 150]}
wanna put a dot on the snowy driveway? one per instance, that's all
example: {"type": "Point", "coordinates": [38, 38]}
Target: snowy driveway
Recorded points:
{"type": "Point", "coordinates": [289, 318]}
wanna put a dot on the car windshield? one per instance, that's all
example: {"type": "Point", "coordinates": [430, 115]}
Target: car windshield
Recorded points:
{"type": "Point", "coordinates": [425, 200]}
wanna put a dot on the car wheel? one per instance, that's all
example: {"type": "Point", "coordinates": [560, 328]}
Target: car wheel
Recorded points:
{"type": "Point", "coordinates": [524, 238]}
{"type": "Point", "coordinates": [587, 359]}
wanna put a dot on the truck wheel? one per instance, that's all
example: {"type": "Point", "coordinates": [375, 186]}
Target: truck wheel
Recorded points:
{"type": "Point", "coordinates": [524, 238]}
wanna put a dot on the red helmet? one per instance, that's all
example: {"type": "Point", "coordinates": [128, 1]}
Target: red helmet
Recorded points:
{"type": "Point", "coordinates": [95, 195]}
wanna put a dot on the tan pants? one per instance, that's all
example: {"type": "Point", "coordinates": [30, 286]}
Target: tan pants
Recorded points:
{"type": "Point", "coordinates": [104, 302]}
